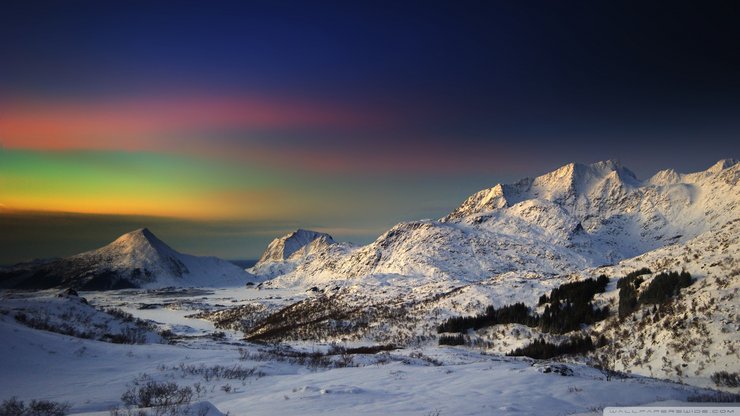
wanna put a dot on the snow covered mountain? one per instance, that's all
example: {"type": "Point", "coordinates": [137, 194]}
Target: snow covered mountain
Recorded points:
{"type": "Point", "coordinates": [299, 242]}
{"type": "Point", "coordinates": [504, 245]}
{"type": "Point", "coordinates": [284, 253]}
{"type": "Point", "coordinates": [135, 259]}
{"type": "Point", "coordinates": [575, 217]}
{"type": "Point", "coordinates": [514, 243]}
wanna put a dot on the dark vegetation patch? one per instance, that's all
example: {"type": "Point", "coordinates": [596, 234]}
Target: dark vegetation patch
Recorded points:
{"type": "Point", "coordinates": [517, 313]}
{"type": "Point", "coordinates": [177, 292]}
{"type": "Point", "coordinates": [335, 357]}
{"type": "Point", "coordinates": [569, 307]}
{"type": "Point", "coordinates": [45, 325]}
{"type": "Point", "coordinates": [239, 318]}
{"type": "Point", "coordinates": [164, 397]}
{"type": "Point", "coordinates": [458, 339]}
{"type": "Point", "coordinates": [542, 349]}
{"type": "Point", "coordinates": [370, 349]}
{"type": "Point", "coordinates": [717, 397]}
{"type": "Point", "coordinates": [725, 379]}
{"type": "Point", "coordinates": [583, 290]}
{"type": "Point", "coordinates": [15, 407]}
{"type": "Point", "coordinates": [560, 318]}
{"type": "Point", "coordinates": [628, 286]}
{"type": "Point", "coordinates": [324, 317]}
{"type": "Point", "coordinates": [312, 359]}
{"type": "Point", "coordinates": [218, 372]}
{"type": "Point", "coordinates": [665, 286]}
{"type": "Point", "coordinates": [662, 288]}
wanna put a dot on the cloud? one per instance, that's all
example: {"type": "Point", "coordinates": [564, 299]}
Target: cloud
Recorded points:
{"type": "Point", "coordinates": [275, 132]}
{"type": "Point", "coordinates": [159, 122]}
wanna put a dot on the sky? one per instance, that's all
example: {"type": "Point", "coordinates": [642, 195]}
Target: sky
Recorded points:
{"type": "Point", "coordinates": [221, 125]}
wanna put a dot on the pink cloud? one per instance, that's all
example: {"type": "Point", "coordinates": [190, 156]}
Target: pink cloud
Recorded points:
{"type": "Point", "coordinates": [141, 123]}
{"type": "Point", "coordinates": [413, 155]}
{"type": "Point", "coordinates": [357, 140]}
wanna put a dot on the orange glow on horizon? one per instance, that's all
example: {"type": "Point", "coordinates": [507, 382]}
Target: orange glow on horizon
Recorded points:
{"type": "Point", "coordinates": [250, 206]}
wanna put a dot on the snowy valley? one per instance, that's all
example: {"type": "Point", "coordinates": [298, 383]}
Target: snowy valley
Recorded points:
{"type": "Point", "coordinates": [418, 322]}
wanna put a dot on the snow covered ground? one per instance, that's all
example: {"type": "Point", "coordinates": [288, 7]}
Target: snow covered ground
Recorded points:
{"type": "Point", "coordinates": [92, 375]}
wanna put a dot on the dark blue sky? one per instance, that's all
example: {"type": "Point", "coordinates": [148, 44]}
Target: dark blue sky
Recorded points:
{"type": "Point", "coordinates": [524, 68]}
{"type": "Point", "coordinates": [442, 97]}
{"type": "Point", "coordinates": [538, 71]}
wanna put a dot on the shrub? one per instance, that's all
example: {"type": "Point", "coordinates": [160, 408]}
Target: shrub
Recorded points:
{"type": "Point", "coordinates": [664, 286]}
{"type": "Point", "coordinates": [120, 314]}
{"type": "Point", "coordinates": [561, 318]}
{"type": "Point", "coordinates": [577, 292]}
{"type": "Point", "coordinates": [458, 339]}
{"type": "Point", "coordinates": [570, 306]}
{"type": "Point", "coordinates": [628, 291]}
{"type": "Point", "coordinates": [218, 372]}
{"type": "Point", "coordinates": [633, 279]}
{"type": "Point", "coordinates": [167, 334]}
{"type": "Point", "coordinates": [627, 300]}
{"type": "Point", "coordinates": [15, 407]}
{"type": "Point", "coordinates": [723, 378]}
{"type": "Point", "coordinates": [542, 349]}
{"type": "Point", "coordinates": [371, 349]}
{"type": "Point", "coordinates": [718, 397]}
{"type": "Point", "coordinates": [165, 397]}
{"type": "Point", "coordinates": [638, 272]}
{"type": "Point", "coordinates": [543, 300]}
{"type": "Point", "coordinates": [517, 313]}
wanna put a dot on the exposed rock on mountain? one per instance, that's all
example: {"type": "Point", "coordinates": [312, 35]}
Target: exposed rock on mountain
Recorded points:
{"type": "Point", "coordinates": [297, 243]}
{"type": "Point", "coordinates": [575, 217]}
{"type": "Point", "coordinates": [283, 253]}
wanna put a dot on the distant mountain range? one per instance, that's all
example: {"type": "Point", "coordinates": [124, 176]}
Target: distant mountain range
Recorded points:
{"type": "Point", "coordinates": [575, 217]}
{"type": "Point", "coordinates": [135, 260]}
{"type": "Point", "coordinates": [512, 244]}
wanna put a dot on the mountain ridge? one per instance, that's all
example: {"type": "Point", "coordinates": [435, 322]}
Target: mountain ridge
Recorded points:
{"type": "Point", "coordinates": [566, 227]}
{"type": "Point", "coordinates": [137, 259]}
{"type": "Point", "coordinates": [283, 253]}
{"type": "Point", "coordinates": [574, 217]}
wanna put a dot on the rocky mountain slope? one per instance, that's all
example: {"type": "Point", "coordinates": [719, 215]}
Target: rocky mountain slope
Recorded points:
{"type": "Point", "coordinates": [297, 243]}
{"type": "Point", "coordinates": [514, 243]}
{"type": "Point", "coordinates": [284, 253]}
{"type": "Point", "coordinates": [576, 217]}
{"type": "Point", "coordinates": [135, 259]}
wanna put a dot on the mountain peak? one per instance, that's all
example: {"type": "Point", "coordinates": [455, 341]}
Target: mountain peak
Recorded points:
{"type": "Point", "coordinates": [141, 233]}
{"type": "Point", "coordinates": [577, 171]}
{"type": "Point", "coordinates": [580, 178]}
{"type": "Point", "coordinates": [612, 164]}
{"type": "Point", "coordinates": [286, 246]}
{"type": "Point", "coordinates": [307, 233]}
{"type": "Point", "coordinates": [721, 165]}
{"type": "Point", "coordinates": [603, 168]}
{"type": "Point", "coordinates": [566, 183]}
{"type": "Point", "coordinates": [141, 238]}
{"type": "Point", "coordinates": [135, 259]}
